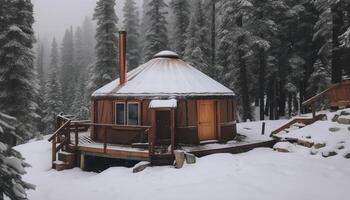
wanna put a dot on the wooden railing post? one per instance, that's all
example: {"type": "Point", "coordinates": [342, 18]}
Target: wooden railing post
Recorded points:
{"type": "Point", "coordinates": [76, 135]}
{"type": "Point", "coordinates": [54, 150]}
{"type": "Point", "coordinates": [105, 140]}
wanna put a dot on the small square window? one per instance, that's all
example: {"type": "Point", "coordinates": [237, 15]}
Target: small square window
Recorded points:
{"type": "Point", "coordinates": [120, 113]}
{"type": "Point", "coordinates": [133, 114]}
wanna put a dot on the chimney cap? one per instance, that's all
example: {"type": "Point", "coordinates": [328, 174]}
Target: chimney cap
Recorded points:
{"type": "Point", "coordinates": [166, 54]}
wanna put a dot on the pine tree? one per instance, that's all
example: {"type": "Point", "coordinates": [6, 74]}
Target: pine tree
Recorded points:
{"type": "Point", "coordinates": [234, 48]}
{"type": "Point", "coordinates": [181, 10]}
{"type": "Point", "coordinates": [143, 28]}
{"type": "Point", "coordinates": [195, 33]}
{"type": "Point", "coordinates": [18, 83]}
{"type": "Point", "coordinates": [156, 38]}
{"type": "Point", "coordinates": [11, 163]}
{"type": "Point", "coordinates": [131, 26]}
{"type": "Point", "coordinates": [68, 70]}
{"type": "Point", "coordinates": [88, 33]}
{"type": "Point", "coordinates": [105, 68]}
{"type": "Point", "coordinates": [41, 78]}
{"type": "Point", "coordinates": [54, 104]}
{"type": "Point", "coordinates": [331, 26]}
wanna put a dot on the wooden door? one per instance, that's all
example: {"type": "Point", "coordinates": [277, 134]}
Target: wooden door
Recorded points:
{"type": "Point", "coordinates": [206, 120]}
{"type": "Point", "coordinates": [163, 131]}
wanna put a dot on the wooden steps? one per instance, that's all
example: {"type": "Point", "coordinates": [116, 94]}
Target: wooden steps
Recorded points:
{"type": "Point", "coordinates": [65, 160]}
{"type": "Point", "coordinates": [296, 123]}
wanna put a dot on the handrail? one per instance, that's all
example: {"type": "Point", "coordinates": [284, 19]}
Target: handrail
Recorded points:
{"type": "Point", "coordinates": [58, 130]}
{"type": "Point", "coordinates": [117, 126]}
{"type": "Point", "coordinates": [316, 97]}
{"type": "Point", "coordinates": [306, 121]}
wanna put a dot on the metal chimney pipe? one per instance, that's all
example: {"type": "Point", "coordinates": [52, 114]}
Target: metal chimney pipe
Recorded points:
{"type": "Point", "coordinates": [122, 57]}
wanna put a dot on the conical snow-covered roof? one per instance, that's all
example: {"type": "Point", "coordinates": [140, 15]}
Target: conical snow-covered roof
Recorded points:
{"type": "Point", "coordinates": [165, 75]}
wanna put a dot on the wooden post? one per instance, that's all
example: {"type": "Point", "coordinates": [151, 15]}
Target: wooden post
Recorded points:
{"type": "Point", "coordinates": [263, 128]}
{"type": "Point", "coordinates": [82, 161]}
{"type": "Point", "coordinates": [218, 120]}
{"type": "Point", "coordinates": [54, 150]}
{"type": "Point", "coordinates": [172, 130]}
{"type": "Point", "coordinates": [76, 136]}
{"type": "Point", "coordinates": [104, 140]}
{"type": "Point", "coordinates": [313, 110]}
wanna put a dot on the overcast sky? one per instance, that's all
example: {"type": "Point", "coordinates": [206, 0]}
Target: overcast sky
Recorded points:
{"type": "Point", "coordinates": [53, 17]}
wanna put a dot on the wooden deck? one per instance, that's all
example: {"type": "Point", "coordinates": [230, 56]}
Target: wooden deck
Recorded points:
{"type": "Point", "coordinates": [89, 147]}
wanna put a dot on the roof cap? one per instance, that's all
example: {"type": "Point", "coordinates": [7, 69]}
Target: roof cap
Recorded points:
{"type": "Point", "coordinates": [166, 54]}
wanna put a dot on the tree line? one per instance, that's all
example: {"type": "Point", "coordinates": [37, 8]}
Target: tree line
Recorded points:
{"type": "Point", "coordinates": [274, 54]}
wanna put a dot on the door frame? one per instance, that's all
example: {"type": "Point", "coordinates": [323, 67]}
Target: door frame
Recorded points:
{"type": "Point", "coordinates": [216, 116]}
{"type": "Point", "coordinates": [172, 126]}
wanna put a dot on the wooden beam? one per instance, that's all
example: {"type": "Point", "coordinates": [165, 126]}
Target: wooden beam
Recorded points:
{"type": "Point", "coordinates": [218, 120]}
{"type": "Point", "coordinates": [82, 161]}
{"type": "Point", "coordinates": [172, 124]}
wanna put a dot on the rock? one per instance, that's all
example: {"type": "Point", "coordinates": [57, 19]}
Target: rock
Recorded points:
{"type": "Point", "coordinates": [190, 158]}
{"type": "Point", "coordinates": [344, 120]}
{"type": "Point", "coordinates": [313, 151]}
{"type": "Point", "coordinates": [179, 158]}
{"type": "Point", "coordinates": [329, 154]}
{"type": "Point", "coordinates": [349, 128]}
{"type": "Point", "coordinates": [283, 147]}
{"type": "Point", "coordinates": [319, 145]}
{"type": "Point", "coordinates": [305, 143]}
{"type": "Point", "coordinates": [140, 166]}
{"type": "Point", "coordinates": [344, 113]}
{"type": "Point", "coordinates": [282, 150]}
{"type": "Point", "coordinates": [334, 129]}
{"type": "Point", "coordinates": [335, 118]}
{"type": "Point", "coordinates": [347, 156]}
{"type": "Point", "coordinates": [308, 137]}
{"type": "Point", "coordinates": [340, 147]}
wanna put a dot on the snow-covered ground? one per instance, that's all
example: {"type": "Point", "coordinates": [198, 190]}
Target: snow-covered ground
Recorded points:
{"type": "Point", "coordinates": [259, 174]}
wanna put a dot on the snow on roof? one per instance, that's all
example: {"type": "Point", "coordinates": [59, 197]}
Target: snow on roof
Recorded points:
{"type": "Point", "coordinates": [166, 54]}
{"type": "Point", "coordinates": [170, 103]}
{"type": "Point", "coordinates": [165, 75]}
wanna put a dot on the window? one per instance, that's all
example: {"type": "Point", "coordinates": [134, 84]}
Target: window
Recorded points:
{"type": "Point", "coordinates": [127, 115]}
{"type": "Point", "coordinates": [133, 114]}
{"type": "Point", "coordinates": [120, 113]}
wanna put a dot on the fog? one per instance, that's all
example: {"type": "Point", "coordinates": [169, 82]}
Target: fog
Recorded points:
{"type": "Point", "coordinates": [53, 17]}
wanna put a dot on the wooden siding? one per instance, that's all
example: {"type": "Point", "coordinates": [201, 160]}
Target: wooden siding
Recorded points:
{"type": "Point", "coordinates": [186, 127]}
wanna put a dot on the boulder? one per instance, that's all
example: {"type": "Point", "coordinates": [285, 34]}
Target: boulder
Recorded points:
{"type": "Point", "coordinates": [319, 145]}
{"type": "Point", "coordinates": [344, 120]}
{"type": "Point", "coordinates": [283, 147]}
{"type": "Point", "coordinates": [305, 143]}
{"type": "Point", "coordinates": [140, 166]}
{"type": "Point", "coordinates": [179, 158]}
{"type": "Point", "coordinates": [329, 154]}
{"type": "Point", "coordinates": [347, 156]}
{"type": "Point", "coordinates": [334, 129]}
{"type": "Point", "coordinates": [190, 158]}
{"type": "Point", "coordinates": [344, 113]}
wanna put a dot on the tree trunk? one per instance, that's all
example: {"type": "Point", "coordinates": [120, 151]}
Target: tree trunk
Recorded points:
{"type": "Point", "coordinates": [281, 100]}
{"type": "Point", "coordinates": [336, 51]}
{"type": "Point", "coordinates": [213, 32]}
{"type": "Point", "coordinates": [289, 104]}
{"type": "Point", "coordinates": [243, 75]}
{"type": "Point", "coordinates": [262, 67]}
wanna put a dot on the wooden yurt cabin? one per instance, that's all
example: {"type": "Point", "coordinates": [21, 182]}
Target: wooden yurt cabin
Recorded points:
{"type": "Point", "coordinates": [162, 104]}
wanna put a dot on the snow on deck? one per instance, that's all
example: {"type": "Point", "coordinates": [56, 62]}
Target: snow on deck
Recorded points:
{"type": "Point", "coordinates": [165, 77]}
{"type": "Point", "coordinates": [85, 141]}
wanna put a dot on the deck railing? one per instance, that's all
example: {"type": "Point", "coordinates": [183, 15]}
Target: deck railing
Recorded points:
{"type": "Point", "coordinates": [66, 124]}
